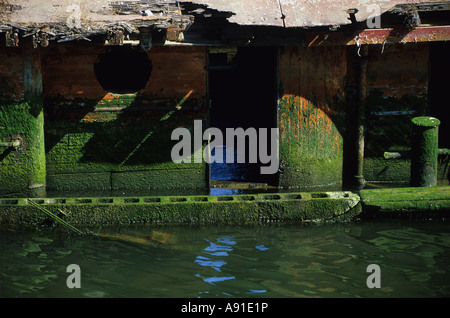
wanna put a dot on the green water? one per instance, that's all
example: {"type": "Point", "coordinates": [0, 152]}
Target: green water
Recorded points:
{"type": "Point", "coordinates": [327, 260]}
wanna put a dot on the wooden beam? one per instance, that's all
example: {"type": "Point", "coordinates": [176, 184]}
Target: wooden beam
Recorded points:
{"type": "Point", "coordinates": [378, 36]}
{"type": "Point", "coordinates": [420, 34]}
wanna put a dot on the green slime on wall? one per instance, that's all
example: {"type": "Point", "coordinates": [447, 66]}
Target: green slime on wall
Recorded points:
{"type": "Point", "coordinates": [24, 169]}
{"type": "Point", "coordinates": [310, 145]}
{"type": "Point", "coordinates": [127, 148]}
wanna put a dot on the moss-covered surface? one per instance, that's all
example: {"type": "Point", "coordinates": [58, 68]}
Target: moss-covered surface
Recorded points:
{"type": "Point", "coordinates": [311, 115]}
{"type": "Point", "coordinates": [230, 209]}
{"type": "Point", "coordinates": [23, 169]}
{"type": "Point", "coordinates": [388, 122]}
{"type": "Point", "coordinates": [312, 174]}
{"type": "Point", "coordinates": [104, 141]}
{"type": "Point", "coordinates": [310, 145]}
{"type": "Point", "coordinates": [379, 169]}
{"type": "Point", "coordinates": [119, 142]}
{"type": "Point", "coordinates": [424, 151]}
{"type": "Point", "coordinates": [426, 121]}
{"type": "Point", "coordinates": [406, 202]}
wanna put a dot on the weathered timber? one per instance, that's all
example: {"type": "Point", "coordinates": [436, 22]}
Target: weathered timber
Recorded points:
{"type": "Point", "coordinates": [227, 22]}
{"type": "Point", "coordinates": [51, 21]}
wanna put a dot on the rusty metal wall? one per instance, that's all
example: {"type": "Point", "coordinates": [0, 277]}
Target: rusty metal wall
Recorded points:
{"type": "Point", "coordinates": [311, 114]}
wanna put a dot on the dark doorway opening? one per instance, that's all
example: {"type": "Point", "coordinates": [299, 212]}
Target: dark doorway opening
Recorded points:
{"type": "Point", "coordinates": [242, 89]}
{"type": "Point", "coordinates": [438, 88]}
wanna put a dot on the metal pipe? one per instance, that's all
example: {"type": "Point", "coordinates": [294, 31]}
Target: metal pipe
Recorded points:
{"type": "Point", "coordinates": [360, 117]}
{"type": "Point", "coordinates": [407, 154]}
{"type": "Point", "coordinates": [397, 155]}
{"type": "Point", "coordinates": [11, 144]}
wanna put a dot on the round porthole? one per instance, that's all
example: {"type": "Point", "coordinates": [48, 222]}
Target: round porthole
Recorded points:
{"type": "Point", "coordinates": [123, 69]}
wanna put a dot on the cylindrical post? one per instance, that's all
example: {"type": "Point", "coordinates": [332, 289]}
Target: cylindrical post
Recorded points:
{"type": "Point", "coordinates": [354, 156]}
{"type": "Point", "coordinates": [424, 151]}
{"type": "Point", "coordinates": [361, 116]}
{"type": "Point", "coordinates": [34, 116]}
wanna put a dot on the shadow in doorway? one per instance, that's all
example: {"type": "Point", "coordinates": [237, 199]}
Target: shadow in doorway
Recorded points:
{"type": "Point", "coordinates": [242, 88]}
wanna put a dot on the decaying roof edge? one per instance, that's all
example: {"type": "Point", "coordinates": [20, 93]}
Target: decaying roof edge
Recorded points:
{"type": "Point", "coordinates": [125, 21]}
{"type": "Point", "coordinates": [120, 20]}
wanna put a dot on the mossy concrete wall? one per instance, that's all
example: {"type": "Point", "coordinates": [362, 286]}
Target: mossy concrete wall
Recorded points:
{"type": "Point", "coordinates": [314, 111]}
{"type": "Point", "coordinates": [95, 140]}
{"type": "Point", "coordinates": [102, 141]}
{"type": "Point", "coordinates": [22, 170]}
{"type": "Point", "coordinates": [311, 115]}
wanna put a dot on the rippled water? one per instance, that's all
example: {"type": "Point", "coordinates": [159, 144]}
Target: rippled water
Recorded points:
{"type": "Point", "coordinates": [327, 260]}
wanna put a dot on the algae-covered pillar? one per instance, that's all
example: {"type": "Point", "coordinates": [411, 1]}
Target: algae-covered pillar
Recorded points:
{"type": "Point", "coordinates": [33, 94]}
{"type": "Point", "coordinates": [311, 116]}
{"type": "Point", "coordinates": [424, 151]}
{"type": "Point", "coordinates": [22, 166]}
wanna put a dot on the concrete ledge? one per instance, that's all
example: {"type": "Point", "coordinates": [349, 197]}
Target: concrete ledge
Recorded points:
{"type": "Point", "coordinates": [224, 209]}
{"type": "Point", "coordinates": [260, 208]}
{"type": "Point", "coordinates": [400, 202]}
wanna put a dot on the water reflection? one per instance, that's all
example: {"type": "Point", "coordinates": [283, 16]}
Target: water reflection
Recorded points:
{"type": "Point", "coordinates": [217, 250]}
{"type": "Point", "coordinates": [235, 261]}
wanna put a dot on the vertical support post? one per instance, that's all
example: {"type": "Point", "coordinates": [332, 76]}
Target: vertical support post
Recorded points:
{"type": "Point", "coordinates": [33, 96]}
{"type": "Point", "coordinates": [354, 157]}
{"type": "Point", "coordinates": [424, 151]}
{"type": "Point", "coordinates": [361, 115]}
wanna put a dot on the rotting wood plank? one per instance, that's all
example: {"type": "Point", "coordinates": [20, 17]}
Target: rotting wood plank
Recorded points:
{"type": "Point", "coordinates": [52, 21]}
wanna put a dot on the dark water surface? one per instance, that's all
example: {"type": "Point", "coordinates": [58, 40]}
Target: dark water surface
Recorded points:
{"type": "Point", "coordinates": [324, 260]}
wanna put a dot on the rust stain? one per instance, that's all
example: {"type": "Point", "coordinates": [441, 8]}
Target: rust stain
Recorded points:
{"type": "Point", "coordinates": [378, 36]}
{"type": "Point", "coordinates": [109, 96]}
{"type": "Point", "coordinates": [311, 43]}
{"type": "Point", "coordinates": [422, 34]}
